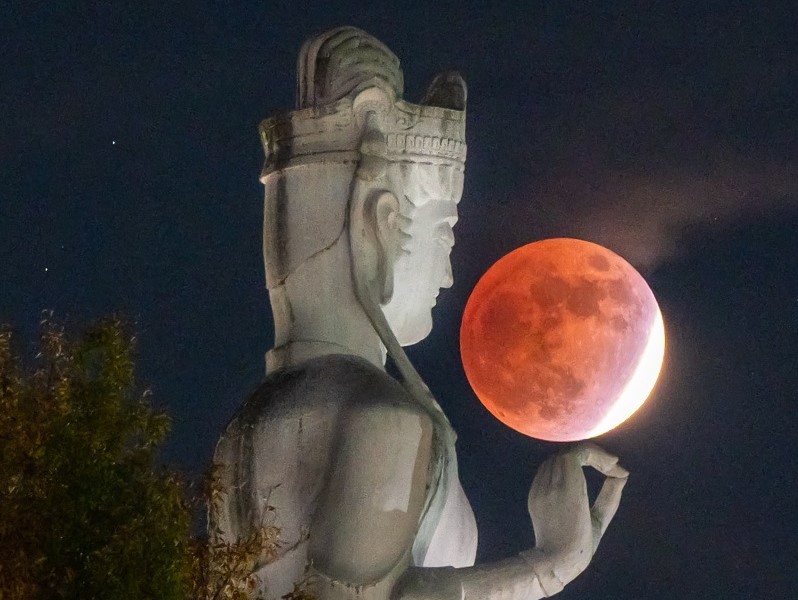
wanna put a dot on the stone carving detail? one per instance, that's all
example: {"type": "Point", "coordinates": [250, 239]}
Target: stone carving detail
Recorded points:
{"type": "Point", "coordinates": [358, 470]}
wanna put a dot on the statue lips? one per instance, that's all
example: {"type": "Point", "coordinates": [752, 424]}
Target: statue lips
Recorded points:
{"type": "Point", "coordinates": [562, 340]}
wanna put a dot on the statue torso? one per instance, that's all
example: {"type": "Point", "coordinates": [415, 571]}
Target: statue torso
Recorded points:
{"type": "Point", "coordinates": [280, 453]}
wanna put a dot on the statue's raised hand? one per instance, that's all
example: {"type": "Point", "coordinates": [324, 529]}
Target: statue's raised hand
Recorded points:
{"type": "Point", "coordinates": [567, 528]}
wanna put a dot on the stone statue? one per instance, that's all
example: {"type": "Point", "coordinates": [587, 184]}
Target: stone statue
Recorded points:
{"type": "Point", "coordinates": [358, 470]}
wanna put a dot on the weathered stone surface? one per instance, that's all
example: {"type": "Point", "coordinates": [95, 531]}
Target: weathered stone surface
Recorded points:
{"type": "Point", "coordinates": [358, 470]}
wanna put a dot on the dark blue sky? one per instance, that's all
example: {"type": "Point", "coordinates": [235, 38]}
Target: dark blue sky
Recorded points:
{"type": "Point", "coordinates": [128, 182]}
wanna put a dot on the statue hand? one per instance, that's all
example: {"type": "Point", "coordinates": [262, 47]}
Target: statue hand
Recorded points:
{"type": "Point", "coordinates": [567, 528]}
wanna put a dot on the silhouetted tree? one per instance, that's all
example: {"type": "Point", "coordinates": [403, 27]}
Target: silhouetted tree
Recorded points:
{"type": "Point", "coordinates": [85, 512]}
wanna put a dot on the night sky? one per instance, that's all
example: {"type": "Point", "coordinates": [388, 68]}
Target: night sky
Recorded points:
{"type": "Point", "coordinates": [666, 132]}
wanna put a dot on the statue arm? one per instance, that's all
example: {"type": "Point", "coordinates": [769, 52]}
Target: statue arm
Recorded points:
{"type": "Point", "coordinates": [366, 521]}
{"type": "Point", "coordinates": [567, 531]}
{"type": "Point", "coordinates": [368, 514]}
{"type": "Point", "coordinates": [509, 579]}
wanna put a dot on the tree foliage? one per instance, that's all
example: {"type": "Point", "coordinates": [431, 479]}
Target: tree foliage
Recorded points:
{"type": "Point", "coordinates": [85, 512]}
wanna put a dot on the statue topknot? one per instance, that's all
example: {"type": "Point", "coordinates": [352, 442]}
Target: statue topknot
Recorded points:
{"type": "Point", "coordinates": [341, 63]}
{"type": "Point", "coordinates": [344, 61]}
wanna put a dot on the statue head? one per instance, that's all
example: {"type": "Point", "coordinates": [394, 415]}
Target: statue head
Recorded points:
{"type": "Point", "coordinates": [361, 189]}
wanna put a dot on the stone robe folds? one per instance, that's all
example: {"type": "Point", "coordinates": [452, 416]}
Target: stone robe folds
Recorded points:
{"type": "Point", "coordinates": [285, 454]}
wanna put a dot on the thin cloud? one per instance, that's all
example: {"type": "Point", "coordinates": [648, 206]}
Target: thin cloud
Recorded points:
{"type": "Point", "coordinates": [643, 216]}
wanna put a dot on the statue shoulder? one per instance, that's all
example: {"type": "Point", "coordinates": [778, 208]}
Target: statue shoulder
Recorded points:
{"type": "Point", "coordinates": [333, 382]}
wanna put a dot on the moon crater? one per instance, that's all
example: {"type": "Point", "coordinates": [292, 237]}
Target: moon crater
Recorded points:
{"type": "Point", "coordinates": [562, 338]}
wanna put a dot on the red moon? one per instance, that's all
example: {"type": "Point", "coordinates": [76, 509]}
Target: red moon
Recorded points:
{"type": "Point", "coordinates": [562, 340]}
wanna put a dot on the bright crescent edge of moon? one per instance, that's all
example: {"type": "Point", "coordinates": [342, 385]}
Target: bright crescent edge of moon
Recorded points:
{"type": "Point", "coordinates": [640, 384]}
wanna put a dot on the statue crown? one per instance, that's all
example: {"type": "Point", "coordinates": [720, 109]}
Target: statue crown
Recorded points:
{"type": "Point", "coordinates": [346, 73]}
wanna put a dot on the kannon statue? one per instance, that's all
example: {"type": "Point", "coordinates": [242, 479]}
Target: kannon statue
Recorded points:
{"type": "Point", "coordinates": [357, 469]}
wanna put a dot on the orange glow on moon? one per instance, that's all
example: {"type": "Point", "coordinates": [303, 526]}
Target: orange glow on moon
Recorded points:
{"type": "Point", "coordinates": [562, 340]}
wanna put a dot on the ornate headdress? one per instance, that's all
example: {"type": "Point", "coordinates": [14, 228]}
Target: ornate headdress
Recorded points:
{"type": "Point", "coordinates": [345, 73]}
{"type": "Point", "coordinates": [350, 110]}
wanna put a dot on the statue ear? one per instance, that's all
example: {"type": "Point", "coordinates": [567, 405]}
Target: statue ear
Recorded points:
{"type": "Point", "coordinates": [377, 238]}
{"type": "Point", "coordinates": [386, 220]}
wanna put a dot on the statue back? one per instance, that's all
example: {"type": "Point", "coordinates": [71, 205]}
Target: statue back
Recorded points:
{"type": "Point", "coordinates": [274, 458]}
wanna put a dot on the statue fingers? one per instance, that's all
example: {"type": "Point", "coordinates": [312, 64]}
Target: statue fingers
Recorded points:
{"type": "Point", "coordinates": [606, 504]}
{"type": "Point", "coordinates": [560, 474]}
{"type": "Point", "coordinates": [543, 479]}
{"type": "Point", "coordinates": [591, 455]}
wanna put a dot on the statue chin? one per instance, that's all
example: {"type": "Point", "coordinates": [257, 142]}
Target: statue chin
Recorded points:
{"type": "Point", "coordinates": [410, 328]}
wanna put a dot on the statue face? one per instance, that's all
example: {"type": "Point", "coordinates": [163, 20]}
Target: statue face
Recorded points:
{"type": "Point", "coordinates": [429, 196]}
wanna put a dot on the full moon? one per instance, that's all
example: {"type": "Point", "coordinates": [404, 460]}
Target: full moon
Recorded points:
{"type": "Point", "coordinates": [562, 340]}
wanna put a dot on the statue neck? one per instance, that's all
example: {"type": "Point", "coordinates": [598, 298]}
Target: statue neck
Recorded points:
{"type": "Point", "coordinates": [316, 313]}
